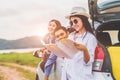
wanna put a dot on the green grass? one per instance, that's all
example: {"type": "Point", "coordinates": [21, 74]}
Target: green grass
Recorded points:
{"type": "Point", "coordinates": [20, 58]}
{"type": "Point", "coordinates": [23, 73]}
{"type": "Point", "coordinates": [27, 74]}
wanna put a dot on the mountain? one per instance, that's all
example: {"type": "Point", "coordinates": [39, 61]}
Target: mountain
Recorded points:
{"type": "Point", "coordinates": [26, 42]}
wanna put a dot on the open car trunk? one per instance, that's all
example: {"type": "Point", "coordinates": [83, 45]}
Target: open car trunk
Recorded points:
{"type": "Point", "coordinates": [106, 23]}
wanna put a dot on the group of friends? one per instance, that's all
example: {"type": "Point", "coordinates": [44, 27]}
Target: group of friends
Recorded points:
{"type": "Point", "coordinates": [80, 66]}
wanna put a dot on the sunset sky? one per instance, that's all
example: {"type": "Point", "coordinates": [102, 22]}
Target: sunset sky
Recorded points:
{"type": "Point", "coordinates": [21, 18]}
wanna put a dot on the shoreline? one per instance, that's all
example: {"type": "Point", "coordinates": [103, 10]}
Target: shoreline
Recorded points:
{"type": "Point", "coordinates": [18, 50]}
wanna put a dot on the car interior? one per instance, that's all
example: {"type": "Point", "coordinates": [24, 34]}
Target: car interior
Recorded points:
{"type": "Point", "coordinates": [111, 60]}
{"type": "Point", "coordinates": [104, 38]}
{"type": "Point", "coordinates": [118, 43]}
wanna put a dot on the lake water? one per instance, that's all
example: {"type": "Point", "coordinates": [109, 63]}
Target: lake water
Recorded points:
{"type": "Point", "coordinates": [18, 50]}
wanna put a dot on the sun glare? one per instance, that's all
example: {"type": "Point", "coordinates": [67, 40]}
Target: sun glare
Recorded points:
{"type": "Point", "coordinates": [41, 30]}
{"type": "Point", "coordinates": [42, 33]}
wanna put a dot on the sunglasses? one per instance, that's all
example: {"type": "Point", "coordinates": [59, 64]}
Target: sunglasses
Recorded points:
{"type": "Point", "coordinates": [61, 34]}
{"type": "Point", "coordinates": [75, 21]}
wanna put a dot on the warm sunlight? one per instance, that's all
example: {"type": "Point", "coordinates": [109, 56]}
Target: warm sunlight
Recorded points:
{"type": "Point", "coordinates": [28, 16]}
{"type": "Point", "coordinates": [42, 30]}
{"type": "Point", "coordinates": [42, 33]}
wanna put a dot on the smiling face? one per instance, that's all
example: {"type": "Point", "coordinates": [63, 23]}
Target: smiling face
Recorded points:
{"type": "Point", "coordinates": [77, 24]}
{"type": "Point", "coordinates": [60, 34]}
{"type": "Point", "coordinates": [51, 27]}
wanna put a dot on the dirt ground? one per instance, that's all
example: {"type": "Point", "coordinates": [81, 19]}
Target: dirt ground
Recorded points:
{"type": "Point", "coordinates": [11, 73]}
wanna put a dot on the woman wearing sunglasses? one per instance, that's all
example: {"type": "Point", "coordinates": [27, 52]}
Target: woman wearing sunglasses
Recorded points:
{"type": "Point", "coordinates": [80, 66]}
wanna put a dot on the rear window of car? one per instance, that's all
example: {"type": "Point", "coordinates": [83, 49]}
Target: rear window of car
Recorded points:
{"type": "Point", "coordinates": [113, 36]}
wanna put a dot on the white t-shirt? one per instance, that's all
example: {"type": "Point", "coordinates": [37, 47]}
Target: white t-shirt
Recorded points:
{"type": "Point", "coordinates": [76, 68]}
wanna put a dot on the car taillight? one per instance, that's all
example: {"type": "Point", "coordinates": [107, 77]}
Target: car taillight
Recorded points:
{"type": "Point", "coordinates": [99, 58]}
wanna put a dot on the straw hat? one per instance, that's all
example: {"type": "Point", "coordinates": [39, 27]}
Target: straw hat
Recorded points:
{"type": "Point", "coordinates": [78, 11]}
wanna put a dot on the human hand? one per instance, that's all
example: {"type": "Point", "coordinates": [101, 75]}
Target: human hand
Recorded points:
{"type": "Point", "coordinates": [39, 52]}
{"type": "Point", "coordinates": [80, 46]}
{"type": "Point", "coordinates": [47, 51]}
{"type": "Point", "coordinates": [85, 51]}
{"type": "Point", "coordinates": [46, 78]}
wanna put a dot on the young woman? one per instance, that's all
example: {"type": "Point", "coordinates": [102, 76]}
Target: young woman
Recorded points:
{"type": "Point", "coordinates": [80, 66]}
{"type": "Point", "coordinates": [49, 38]}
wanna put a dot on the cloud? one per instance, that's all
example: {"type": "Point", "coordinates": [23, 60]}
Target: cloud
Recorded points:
{"type": "Point", "coordinates": [20, 18]}
{"type": "Point", "coordinates": [8, 12]}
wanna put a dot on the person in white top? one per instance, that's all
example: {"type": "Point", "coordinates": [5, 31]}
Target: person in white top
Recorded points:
{"type": "Point", "coordinates": [80, 66]}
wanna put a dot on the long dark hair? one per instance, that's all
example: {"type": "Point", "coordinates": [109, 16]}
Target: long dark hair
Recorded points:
{"type": "Point", "coordinates": [86, 23]}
